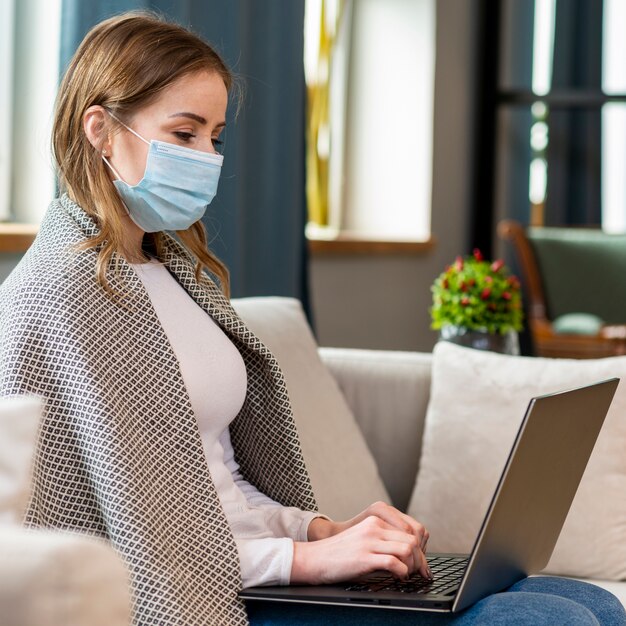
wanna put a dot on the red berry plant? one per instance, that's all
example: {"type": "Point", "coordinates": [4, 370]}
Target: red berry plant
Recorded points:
{"type": "Point", "coordinates": [478, 295]}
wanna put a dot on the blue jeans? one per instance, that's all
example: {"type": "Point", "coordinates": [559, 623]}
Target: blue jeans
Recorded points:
{"type": "Point", "coordinates": [536, 601]}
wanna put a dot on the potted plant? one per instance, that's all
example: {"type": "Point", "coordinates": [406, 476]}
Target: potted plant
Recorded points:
{"type": "Point", "coordinates": [478, 303]}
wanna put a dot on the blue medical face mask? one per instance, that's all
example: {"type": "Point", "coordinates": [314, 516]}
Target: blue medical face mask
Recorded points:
{"type": "Point", "coordinates": [176, 189]}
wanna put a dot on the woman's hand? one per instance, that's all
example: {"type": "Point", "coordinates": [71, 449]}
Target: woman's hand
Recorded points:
{"type": "Point", "coordinates": [364, 544]}
{"type": "Point", "coordinates": [321, 528]}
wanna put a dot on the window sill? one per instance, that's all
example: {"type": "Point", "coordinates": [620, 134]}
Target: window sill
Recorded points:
{"type": "Point", "coordinates": [16, 237]}
{"type": "Point", "coordinates": [351, 244]}
{"type": "Point", "coordinates": [19, 237]}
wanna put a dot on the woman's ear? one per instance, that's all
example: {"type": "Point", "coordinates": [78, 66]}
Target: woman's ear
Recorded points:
{"type": "Point", "coordinates": [96, 129]}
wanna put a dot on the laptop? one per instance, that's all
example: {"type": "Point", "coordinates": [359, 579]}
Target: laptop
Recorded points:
{"type": "Point", "coordinates": [519, 531]}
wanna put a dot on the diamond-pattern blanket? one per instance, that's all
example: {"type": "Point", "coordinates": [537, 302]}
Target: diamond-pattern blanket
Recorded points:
{"type": "Point", "coordinates": [119, 453]}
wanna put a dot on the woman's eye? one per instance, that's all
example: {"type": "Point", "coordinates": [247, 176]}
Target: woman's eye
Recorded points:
{"type": "Point", "coordinates": [217, 142]}
{"type": "Point", "coordinates": [183, 135]}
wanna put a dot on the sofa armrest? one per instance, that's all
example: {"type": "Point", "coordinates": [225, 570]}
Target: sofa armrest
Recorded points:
{"type": "Point", "coordinates": [54, 578]}
{"type": "Point", "coordinates": [388, 393]}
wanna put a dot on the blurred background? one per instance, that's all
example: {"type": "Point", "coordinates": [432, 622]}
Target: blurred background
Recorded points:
{"type": "Point", "coordinates": [378, 139]}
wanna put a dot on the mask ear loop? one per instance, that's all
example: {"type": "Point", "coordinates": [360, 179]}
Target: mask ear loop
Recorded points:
{"type": "Point", "coordinates": [127, 127]}
{"type": "Point", "coordinates": [117, 176]}
{"type": "Point", "coordinates": [115, 172]}
{"type": "Point", "coordinates": [119, 121]}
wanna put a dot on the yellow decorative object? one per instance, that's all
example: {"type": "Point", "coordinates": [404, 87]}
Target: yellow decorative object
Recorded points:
{"type": "Point", "coordinates": [318, 135]}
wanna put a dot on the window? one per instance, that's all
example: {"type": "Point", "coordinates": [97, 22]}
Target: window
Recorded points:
{"type": "Point", "coordinates": [553, 141]}
{"type": "Point", "coordinates": [614, 118]}
{"type": "Point", "coordinates": [6, 78]}
{"type": "Point", "coordinates": [370, 75]}
{"type": "Point", "coordinates": [29, 74]}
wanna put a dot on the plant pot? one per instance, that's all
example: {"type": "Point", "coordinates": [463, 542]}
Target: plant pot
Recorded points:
{"type": "Point", "coordinates": [507, 343]}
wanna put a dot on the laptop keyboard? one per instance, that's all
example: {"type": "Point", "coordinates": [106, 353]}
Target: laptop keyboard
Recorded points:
{"type": "Point", "coordinates": [447, 574]}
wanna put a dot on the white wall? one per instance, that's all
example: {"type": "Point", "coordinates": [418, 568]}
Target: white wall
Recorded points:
{"type": "Point", "coordinates": [382, 302]}
{"type": "Point", "coordinates": [388, 153]}
{"type": "Point", "coordinates": [36, 75]}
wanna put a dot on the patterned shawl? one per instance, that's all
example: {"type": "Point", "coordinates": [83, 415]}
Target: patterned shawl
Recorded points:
{"type": "Point", "coordinates": [119, 453]}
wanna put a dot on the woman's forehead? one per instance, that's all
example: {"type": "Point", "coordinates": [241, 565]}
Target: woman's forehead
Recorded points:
{"type": "Point", "coordinates": [203, 94]}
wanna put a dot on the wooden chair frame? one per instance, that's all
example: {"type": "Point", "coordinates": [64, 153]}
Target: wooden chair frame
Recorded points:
{"type": "Point", "coordinates": [610, 341]}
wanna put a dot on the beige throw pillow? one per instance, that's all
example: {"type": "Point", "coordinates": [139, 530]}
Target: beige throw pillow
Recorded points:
{"type": "Point", "coordinates": [477, 402]}
{"type": "Point", "coordinates": [343, 472]}
{"type": "Point", "coordinates": [19, 420]}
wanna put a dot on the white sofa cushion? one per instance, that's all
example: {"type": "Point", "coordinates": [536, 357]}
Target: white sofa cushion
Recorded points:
{"type": "Point", "coordinates": [478, 400]}
{"type": "Point", "coordinates": [19, 420]}
{"type": "Point", "coordinates": [387, 391]}
{"type": "Point", "coordinates": [56, 578]}
{"type": "Point", "coordinates": [343, 472]}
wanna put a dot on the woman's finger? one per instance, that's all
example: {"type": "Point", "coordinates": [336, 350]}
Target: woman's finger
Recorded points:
{"type": "Point", "coordinates": [417, 562]}
{"type": "Point", "coordinates": [418, 529]}
{"type": "Point", "coordinates": [400, 520]}
{"type": "Point", "coordinates": [423, 535]}
{"type": "Point", "coordinates": [390, 563]}
{"type": "Point", "coordinates": [393, 516]}
{"type": "Point", "coordinates": [400, 550]}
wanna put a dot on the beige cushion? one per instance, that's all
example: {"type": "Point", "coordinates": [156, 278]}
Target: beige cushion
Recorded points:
{"type": "Point", "coordinates": [343, 472]}
{"type": "Point", "coordinates": [477, 402]}
{"type": "Point", "coordinates": [54, 578]}
{"type": "Point", "coordinates": [387, 391]}
{"type": "Point", "coordinates": [19, 420]}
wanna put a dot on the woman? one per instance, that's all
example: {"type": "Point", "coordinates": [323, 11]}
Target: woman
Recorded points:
{"type": "Point", "coordinates": [168, 429]}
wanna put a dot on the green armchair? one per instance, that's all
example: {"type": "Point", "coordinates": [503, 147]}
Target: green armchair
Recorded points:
{"type": "Point", "coordinates": [575, 284]}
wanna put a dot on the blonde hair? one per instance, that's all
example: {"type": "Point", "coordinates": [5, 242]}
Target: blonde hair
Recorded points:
{"type": "Point", "coordinates": [123, 64]}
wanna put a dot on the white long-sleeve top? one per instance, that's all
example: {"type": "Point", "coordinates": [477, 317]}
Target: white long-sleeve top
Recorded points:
{"type": "Point", "coordinates": [215, 377]}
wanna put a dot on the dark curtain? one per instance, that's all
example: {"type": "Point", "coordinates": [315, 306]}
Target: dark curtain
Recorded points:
{"type": "Point", "coordinates": [256, 223]}
{"type": "Point", "coordinates": [512, 146]}
{"type": "Point", "coordinates": [514, 122]}
{"type": "Point", "coordinates": [574, 149]}
{"type": "Point", "coordinates": [501, 133]}
{"type": "Point", "coordinates": [502, 152]}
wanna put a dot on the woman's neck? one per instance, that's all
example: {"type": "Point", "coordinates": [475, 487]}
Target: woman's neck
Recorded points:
{"type": "Point", "coordinates": [133, 250]}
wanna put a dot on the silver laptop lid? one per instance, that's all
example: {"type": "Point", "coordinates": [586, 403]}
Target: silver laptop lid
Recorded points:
{"type": "Point", "coordinates": [536, 489]}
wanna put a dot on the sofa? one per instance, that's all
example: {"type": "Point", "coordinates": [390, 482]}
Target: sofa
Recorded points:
{"type": "Point", "coordinates": [368, 426]}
